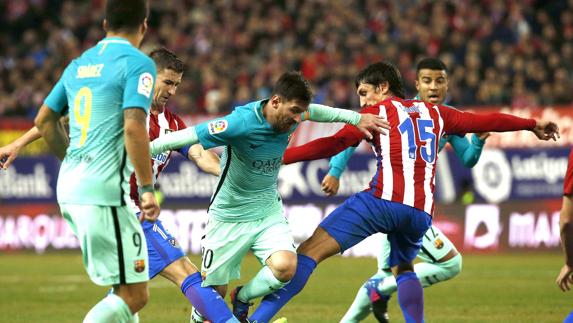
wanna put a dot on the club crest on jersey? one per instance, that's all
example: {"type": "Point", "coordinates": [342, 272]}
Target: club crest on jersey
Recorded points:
{"type": "Point", "coordinates": [217, 126]}
{"type": "Point", "coordinates": [145, 85]}
{"type": "Point", "coordinates": [139, 265]}
{"type": "Point", "coordinates": [439, 244]}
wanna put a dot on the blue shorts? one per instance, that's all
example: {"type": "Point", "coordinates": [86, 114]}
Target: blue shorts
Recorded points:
{"type": "Point", "coordinates": [162, 247]}
{"type": "Point", "coordinates": [363, 215]}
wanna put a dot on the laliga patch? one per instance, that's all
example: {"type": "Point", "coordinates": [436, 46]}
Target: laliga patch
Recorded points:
{"type": "Point", "coordinates": [145, 85]}
{"type": "Point", "coordinates": [217, 126]}
{"type": "Point", "coordinates": [139, 265]}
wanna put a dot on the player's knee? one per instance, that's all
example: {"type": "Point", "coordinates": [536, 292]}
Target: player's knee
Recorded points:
{"type": "Point", "coordinates": [284, 267]}
{"type": "Point", "coordinates": [136, 298]}
{"type": "Point", "coordinates": [456, 266]}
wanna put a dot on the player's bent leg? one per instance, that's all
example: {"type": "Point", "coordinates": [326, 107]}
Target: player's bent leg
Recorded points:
{"type": "Point", "coordinates": [346, 226]}
{"type": "Point", "coordinates": [405, 243]}
{"type": "Point", "coordinates": [361, 306]}
{"type": "Point", "coordinates": [205, 300]}
{"type": "Point", "coordinates": [110, 309]}
{"type": "Point", "coordinates": [114, 253]}
{"type": "Point", "coordinates": [134, 295]}
{"type": "Point", "coordinates": [283, 265]}
{"type": "Point", "coordinates": [179, 270]}
{"type": "Point", "coordinates": [434, 273]}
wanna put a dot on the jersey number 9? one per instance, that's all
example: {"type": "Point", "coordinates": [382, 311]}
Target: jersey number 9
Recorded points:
{"type": "Point", "coordinates": [83, 119]}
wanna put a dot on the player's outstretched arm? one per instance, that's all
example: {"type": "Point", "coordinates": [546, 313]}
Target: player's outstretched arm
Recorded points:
{"type": "Point", "coordinates": [367, 123]}
{"type": "Point", "coordinates": [206, 160]}
{"type": "Point", "coordinates": [565, 278]}
{"type": "Point", "coordinates": [174, 140]}
{"type": "Point", "coordinates": [48, 124]}
{"type": "Point", "coordinates": [324, 147]}
{"type": "Point", "coordinates": [457, 122]}
{"type": "Point", "coordinates": [9, 152]}
{"type": "Point", "coordinates": [546, 130]}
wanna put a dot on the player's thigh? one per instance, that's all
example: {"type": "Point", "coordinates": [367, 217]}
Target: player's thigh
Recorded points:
{"type": "Point", "coordinates": [224, 246]}
{"type": "Point", "coordinates": [435, 245]}
{"type": "Point", "coordinates": [406, 240]}
{"type": "Point", "coordinates": [273, 234]}
{"type": "Point", "coordinates": [162, 247]}
{"type": "Point", "coordinates": [359, 217]}
{"type": "Point", "coordinates": [112, 241]}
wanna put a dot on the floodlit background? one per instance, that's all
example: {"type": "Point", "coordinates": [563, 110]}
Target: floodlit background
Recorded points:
{"type": "Point", "coordinates": [508, 56]}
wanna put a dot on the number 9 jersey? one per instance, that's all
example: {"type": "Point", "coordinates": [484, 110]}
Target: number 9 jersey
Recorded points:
{"type": "Point", "coordinates": [95, 88]}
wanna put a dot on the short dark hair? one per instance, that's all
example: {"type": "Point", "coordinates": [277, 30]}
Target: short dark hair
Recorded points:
{"type": "Point", "coordinates": [125, 14]}
{"type": "Point", "coordinates": [431, 63]}
{"type": "Point", "coordinates": [166, 59]}
{"type": "Point", "coordinates": [292, 85]}
{"type": "Point", "coordinates": [379, 73]}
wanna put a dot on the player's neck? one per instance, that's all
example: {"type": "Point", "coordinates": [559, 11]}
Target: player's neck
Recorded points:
{"type": "Point", "coordinates": [133, 39]}
{"type": "Point", "coordinates": [267, 113]}
{"type": "Point", "coordinates": [156, 110]}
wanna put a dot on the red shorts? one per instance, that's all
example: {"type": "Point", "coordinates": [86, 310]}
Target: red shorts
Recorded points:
{"type": "Point", "coordinates": [568, 181]}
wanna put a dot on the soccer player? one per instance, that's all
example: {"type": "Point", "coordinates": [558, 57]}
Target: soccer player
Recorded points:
{"type": "Point", "coordinates": [246, 208]}
{"type": "Point", "coordinates": [399, 201]}
{"type": "Point", "coordinates": [441, 260]}
{"type": "Point", "coordinates": [166, 257]}
{"type": "Point", "coordinates": [565, 278]}
{"type": "Point", "coordinates": [108, 91]}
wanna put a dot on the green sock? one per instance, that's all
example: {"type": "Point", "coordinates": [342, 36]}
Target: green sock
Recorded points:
{"type": "Point", "coordinates": [110, 309]}
{"type": "Point", "coordinates": [429, 274]}
{"type": "Point", "coordinates": [263, 284]}
{"type": "Point", "coordinates": [359, 309]}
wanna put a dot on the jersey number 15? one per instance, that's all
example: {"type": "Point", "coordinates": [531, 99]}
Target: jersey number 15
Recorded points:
{"type": "Point", "coordinates": [425, 135]}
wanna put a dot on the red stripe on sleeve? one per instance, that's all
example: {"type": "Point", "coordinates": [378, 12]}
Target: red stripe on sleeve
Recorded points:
{"type": "Point", "coordinates": [457, 122]}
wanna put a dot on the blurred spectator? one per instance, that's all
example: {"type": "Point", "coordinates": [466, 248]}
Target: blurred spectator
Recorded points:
{"type": "Point", "coordinates": [506, 52]}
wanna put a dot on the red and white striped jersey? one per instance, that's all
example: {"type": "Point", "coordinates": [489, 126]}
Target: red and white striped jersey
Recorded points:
{"type": "Point", "coordinates": [157, 126]}
{"type": "Point", "coordinates": [568, 181]}
{"type": "Point", "coordinates": [407, 155]}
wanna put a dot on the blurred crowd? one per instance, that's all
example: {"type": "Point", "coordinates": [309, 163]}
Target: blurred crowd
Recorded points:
{"type": "Point", "coordinates": [499, 52]}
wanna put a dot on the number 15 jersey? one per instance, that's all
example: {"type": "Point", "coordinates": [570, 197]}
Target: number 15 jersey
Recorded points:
{"type": "Point", "coordinates": [94, 89]}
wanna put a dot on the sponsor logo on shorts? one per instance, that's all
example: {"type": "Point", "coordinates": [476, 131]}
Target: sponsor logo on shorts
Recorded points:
{"type": "Point", "coordinates": [203, 275]}
{"type": "Point", "coordinates": [139, 265]}
{"type": "Point", "coordinates": [217, 126]}
{"type": "Point", "coordinates": [439, 244]}
{"type": "Point", "coordinates": [145, 85]}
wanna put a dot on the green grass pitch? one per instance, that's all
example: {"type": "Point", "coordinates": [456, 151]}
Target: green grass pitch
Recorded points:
{"type": "Point", "coordinates": [491, 288]}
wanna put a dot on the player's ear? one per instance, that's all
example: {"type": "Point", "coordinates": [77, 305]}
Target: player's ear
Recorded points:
{"type": "Point", "coordinates": [383, 88]}
{"type": "Point", "coordinates": [275, 101]}
{"type": "Point", "coordinates": [104, 24]}
{"type": "Point", "coordinates": [417, 85]}
{"type": "Point", "coordinates": [143, 27]}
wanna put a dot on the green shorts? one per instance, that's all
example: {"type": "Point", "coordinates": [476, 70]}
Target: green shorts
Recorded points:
{"type": "Point", "coordinates": [113, 245]}
{"type": "Point", "coordinates": [225, 244]}
{"type": "Point", "coordinates": [435, 245]}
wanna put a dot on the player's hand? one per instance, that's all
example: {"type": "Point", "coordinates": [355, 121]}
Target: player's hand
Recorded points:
{"type": "Point", "coordinates": [482, 135]}
{"type": "Point", "coordinates": [330, 185]}
{"type": "Point", "coordinates": [565, 278]}
{"type": "Point", "coordinates": [371, 123]}
{"type": "Point", "coordinates": [7, 155]}
{"type": "Point", "coordinates": [545, 130]}
{"type": "Point", "coordinates": [149, 207]}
